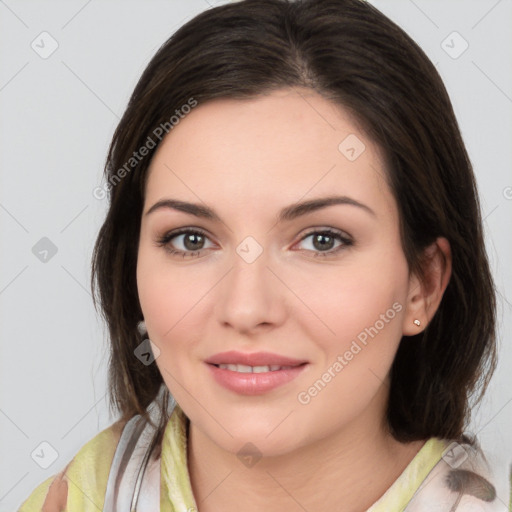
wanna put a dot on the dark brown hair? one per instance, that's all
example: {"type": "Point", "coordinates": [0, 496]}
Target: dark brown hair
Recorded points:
{"type": "Point", "coordinates": [353, 55]}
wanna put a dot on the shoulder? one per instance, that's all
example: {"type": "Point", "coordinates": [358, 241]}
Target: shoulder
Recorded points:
{"type": "Point", "coordinates": [81, 485]}
{"type": "Point", "coordinates": [464, 479]}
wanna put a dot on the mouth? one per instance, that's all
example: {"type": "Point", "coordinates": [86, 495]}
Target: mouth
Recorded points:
{"type": "Point", "coordinates": [254, 380]}
{"type": "Point", "coordinates": [244, 360]}
{"type": "Point", "coordinates": [243, 368]}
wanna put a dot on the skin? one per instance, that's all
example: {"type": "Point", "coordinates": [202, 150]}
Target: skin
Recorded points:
{"type": "Point", "coordinates": [247, 160]}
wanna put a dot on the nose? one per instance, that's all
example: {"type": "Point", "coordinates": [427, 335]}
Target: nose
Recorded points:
{"type": "Point", "coordinates": [251, 297]}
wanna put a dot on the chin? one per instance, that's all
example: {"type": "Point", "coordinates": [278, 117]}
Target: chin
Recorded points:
{"type": "Point", "coordinates": [258, 445]}
{"type": "Point", "coordinates": [266, 436]}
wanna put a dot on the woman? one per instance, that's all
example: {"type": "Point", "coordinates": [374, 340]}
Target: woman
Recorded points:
{"type": "Point", "coordinates": [293, 273]}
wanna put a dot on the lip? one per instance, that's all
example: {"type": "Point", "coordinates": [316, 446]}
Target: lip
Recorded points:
{"type": "Point", "coordinates": [254, 359]}
{"type": "Point", "coordinates": [254, 383]}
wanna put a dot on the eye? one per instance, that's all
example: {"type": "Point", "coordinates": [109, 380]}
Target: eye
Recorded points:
{"type": "Point", "coordinates": [323, 241]}
{"type": "Point", "coordinates": [192, 241]}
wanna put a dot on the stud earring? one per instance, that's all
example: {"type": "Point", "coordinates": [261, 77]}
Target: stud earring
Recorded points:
{"type": "Point", "coordinates": [141, 327]}
{"type": "Point", "coordinates": [417, 322]}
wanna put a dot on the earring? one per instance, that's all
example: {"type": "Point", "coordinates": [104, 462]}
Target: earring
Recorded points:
{"type": "Point", "coordinates": [141, 327]}
{"type": "Point", "coordinates": [417, 322]}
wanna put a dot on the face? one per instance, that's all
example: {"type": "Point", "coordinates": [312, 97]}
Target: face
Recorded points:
{"type": "Point", "coordinates": [325, 285]}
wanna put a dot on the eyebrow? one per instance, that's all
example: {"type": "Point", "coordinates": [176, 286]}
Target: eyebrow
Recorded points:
{"type": "Point", "coordinates": [286, 214]}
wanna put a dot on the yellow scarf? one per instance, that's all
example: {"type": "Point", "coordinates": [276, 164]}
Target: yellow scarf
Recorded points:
{"type": "Point", "coordinates": [87, 474]}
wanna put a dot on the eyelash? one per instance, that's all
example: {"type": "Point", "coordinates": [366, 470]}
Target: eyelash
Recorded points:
{"type": "Point", "coordinates": [164, 240]}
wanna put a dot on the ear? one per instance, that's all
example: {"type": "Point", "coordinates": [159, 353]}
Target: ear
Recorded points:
{"type": "Point", "coordinates": [425, 294]}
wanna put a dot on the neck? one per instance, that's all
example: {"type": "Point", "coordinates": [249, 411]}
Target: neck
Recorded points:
{"type": "Point", "coordinates": [354, 467]}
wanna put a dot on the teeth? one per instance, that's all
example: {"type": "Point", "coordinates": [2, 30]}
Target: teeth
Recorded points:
{"type": "Point", "coordinates": [242, 368]}
{"type": "Point", "coordinates": [261, 369]}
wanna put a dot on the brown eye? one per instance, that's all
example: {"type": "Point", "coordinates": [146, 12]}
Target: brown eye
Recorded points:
{"type": "Point", "coordinates": [193, 241]}
{"type": "Point", "coordinates": [323, 242]}
{"type": "Point", "coordinates": [189, 241]}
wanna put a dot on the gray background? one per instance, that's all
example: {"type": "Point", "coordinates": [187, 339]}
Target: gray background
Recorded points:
{"type": "Point", "coordinates": [58, 115]}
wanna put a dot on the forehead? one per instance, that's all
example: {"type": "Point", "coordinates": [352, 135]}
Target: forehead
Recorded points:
{"type": "Point", "coordinates": [289, 145]}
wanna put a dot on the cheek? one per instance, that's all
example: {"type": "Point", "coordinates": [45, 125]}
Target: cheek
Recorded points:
{"type": "Point", "coordinates": [358, 325]}
{"type": "Point", "coordinates": [149, 287]}
{"type": "Point", "coordinates": [172, 300]}
{"type": "Point", "coordinates": [161, 294]}
{"type": "Point", "coordinates": [347, 301]}
{"type": "Point", "coordinates": [364, 313]}
{"type": "Point", "coordinates": [160, 287]}
{"type": "Point", "coordinates": [163, 301]}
